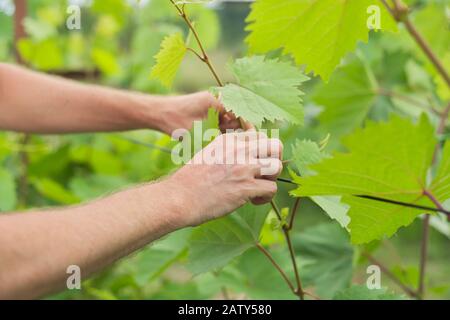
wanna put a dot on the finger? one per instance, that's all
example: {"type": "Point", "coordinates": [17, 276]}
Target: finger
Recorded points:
{"type": "Point", "coordinates": [251, 135]}
{"type": "Point", "coordinates": [270, 169]}
{"type": "Point", "coordinates": [269, 148]}
{"type": "Point", "coordinates": [230, 124]}
{"type": "Point", "coordinates": [263, 191]}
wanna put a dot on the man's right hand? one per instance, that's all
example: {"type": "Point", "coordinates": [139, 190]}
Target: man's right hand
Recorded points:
{"type": "Point", "coordinates": [234, 169]}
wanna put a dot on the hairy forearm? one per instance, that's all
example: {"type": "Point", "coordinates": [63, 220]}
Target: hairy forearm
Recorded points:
{"type": "Point", "coordinates": [36, 103]}
{"type": "Point", "coordinates": [36, 248]}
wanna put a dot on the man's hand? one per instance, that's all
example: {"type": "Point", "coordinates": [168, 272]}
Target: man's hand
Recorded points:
{"type": "Point", "coordinates": [73, 107]}
{"type": "Point", "coordinates": [220, 179]}
{"type": "Point", "coordinates": [180, 112]}
{"type": "Point", "coordinates": [233, 170]}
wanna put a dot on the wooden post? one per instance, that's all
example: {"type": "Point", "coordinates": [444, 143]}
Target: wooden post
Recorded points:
{"type": "Point", "coordinates": [19, 28]}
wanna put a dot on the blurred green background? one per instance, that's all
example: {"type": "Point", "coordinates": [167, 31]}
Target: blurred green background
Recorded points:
{"type": "Point", "coordinates": [115, 47]}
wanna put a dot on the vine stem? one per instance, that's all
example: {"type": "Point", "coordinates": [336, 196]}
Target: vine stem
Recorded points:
{"type": "Point", "coordinates": [400, 13]}
{"type": "Point", "coordinates": [299, 291]}
{"type": "Point", "coordinates": [391, 276]}
{"type": "Point", "coordinates": [417, 103]}
{"type": "Point", "coordinates": [426, 221]}
{"type": "Point", "coordinates": [293, 214]}
{"type": "Point", "coordinates": [276, 265]}
{"type": "Point", "coordinates": [205, 58]}
{"type": "Point", "coordinates": [204, 55]}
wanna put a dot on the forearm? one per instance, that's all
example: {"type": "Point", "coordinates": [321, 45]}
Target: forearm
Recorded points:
{"type": "Point", "coordinates": [36, 248]}
{"type": "Point", "coordinates": [37, 103]}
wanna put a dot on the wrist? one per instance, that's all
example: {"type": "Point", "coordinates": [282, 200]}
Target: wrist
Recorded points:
{"type": "Point", "coordinates": [169, 202]}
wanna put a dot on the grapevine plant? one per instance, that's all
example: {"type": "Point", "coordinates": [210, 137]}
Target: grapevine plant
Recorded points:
{"type": "Point", "coordinates": [387, 173]}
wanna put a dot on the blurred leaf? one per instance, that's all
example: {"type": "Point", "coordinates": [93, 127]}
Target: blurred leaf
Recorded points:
{"type": "Point", "coordinates": [255, 276]}
{"type": "Point", "coordinates": [54, 191]}
{"type": "Point", "coordinates": [407, 275]}
{"type": "Point", "coordinates": [347, 98]}
{"type": "Point", "coordinates": [104, 162]}
{"type": "Point", "coordinates": [417, 77]}
{"type": "Point", "coordinates": [105, 61]}
{"type": "Point", "coordinates": [94, 186]}
{"type": "Point", "coordinates": [39, 30]}
{"type": "Point", "coordinates": [107, 26]}
{"type": "Point", "coordinates": [155, 259]}
{"type": "Point", "coordinates": [114, 8]}
{"type": "Point", "coordinates": [207, 25]}
{"type": "Point", "coordinates": [329, 252]}
{"type": "Point", "coordinates": [8, 196]}
{"type": "Point", "coordinates": [43, 55]}
{"type": "Point", "coordinates": [216, 243]}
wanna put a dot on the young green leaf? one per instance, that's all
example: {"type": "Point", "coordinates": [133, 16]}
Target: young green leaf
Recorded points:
{"type": "Point", "coordinates": [317, 33]}
{"type": "Point", "coordinates": [387, 160]}
{"type": "Point", "coordinates": [265, 90]}
{"type": "Point", "coordinates": [169, 58]}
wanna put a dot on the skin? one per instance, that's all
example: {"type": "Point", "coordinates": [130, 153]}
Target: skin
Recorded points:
{"type": "Point", "coordinates": [37, 247]}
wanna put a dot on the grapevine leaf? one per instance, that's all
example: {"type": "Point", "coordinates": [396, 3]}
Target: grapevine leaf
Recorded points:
{"type": "Point", "coordinates": [347, 98]}
{"type": "Point", "coordinates": [363, 293]}
{"type": "Point", "coordinates": [328, 248]}
{"type": "Point", "coordinates": [214, 244]}
{"type": "Point", "coordinates": [254, 275]}
{"type": "Point", "coordinates": [317, 33]}
{"type": "Point", "coordinates": [8, 195]}
{"type": "Point", "coordinates": [155, 259]}
{"type": "Point", "coordinates": [306, 153]}
{"type": "Point", "coordinates": [265, 90]}
{"type": "Point", "coordinates": [169, 58]}
{"type": "Point", "coordinates": [386, 160]}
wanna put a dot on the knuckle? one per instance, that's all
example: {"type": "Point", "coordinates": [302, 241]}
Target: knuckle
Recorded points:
{"type": "Point", "coordinates": [273, 189]}
{"type": "Point", "coordinates": [277, 145]}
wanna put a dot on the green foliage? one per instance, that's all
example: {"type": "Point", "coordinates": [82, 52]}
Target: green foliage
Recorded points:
{"type": "Point", "coordinates": [216, 243]}
{"type": "Point", "coordinates": [348, 98]}
{"type": "Point", "coordinates": [396, 170]}
{"type": "Point", "coordinates": [306, 153]}
{"type": "Point", "coordinates": [8, 196]}
{"type": "Point", "coordinates": [329, 258]}
{"type": "Point", "coordinates": [307, 29]}
{"type": "Point", "coordinates": [169, 59]}
{"type": "Point", "coordinates": [390, 160]}
{"type": "Point", "coordinates": [265, 90]}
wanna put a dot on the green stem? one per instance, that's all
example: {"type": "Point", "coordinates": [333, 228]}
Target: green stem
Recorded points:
{"type": "Point", "coordinates": [276, 265]}
{"type": "Point", "coordinates": [299, 291]}
{"type": "Point", "coordinates": [390, 275]}
{"type": "Point", "coordinates": [399, 12]}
